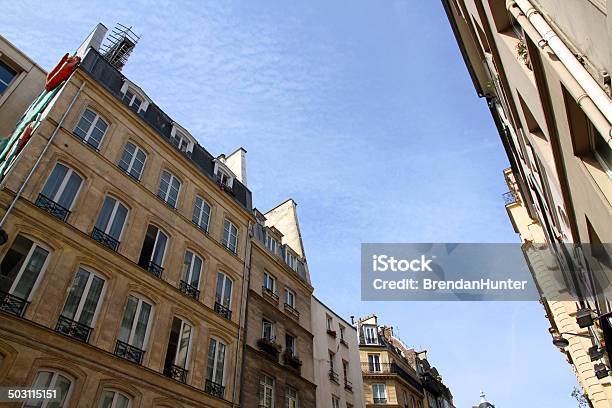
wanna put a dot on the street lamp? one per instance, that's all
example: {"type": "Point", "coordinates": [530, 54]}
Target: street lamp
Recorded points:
{"type": "Point", "coordinates": [561, 342]}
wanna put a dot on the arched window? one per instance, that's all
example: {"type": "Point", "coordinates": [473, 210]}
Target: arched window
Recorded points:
{"type": "Point", "coordinates": [133, 160]}
{"type": "Point", "coordinates": [91, 128]}
{"type": "Point", "coordinates": [201, 213]}
{"type": "Point", "coordinates": [169, 188]}
{"type": "Point", "coordinates": [20, 273]}
{"type": "Point", "coordinates": [153, 250]}
{"type": "Point", "coordinates": [215, 369]}
{"type": "Point", "coordinates": [223, 295]}
{"type": "Point", "coordinates": [51, 379]}
{"type": "Point", "coordinates": [192, 269]}
{"type": "Point", "coordinates": [114, 399]}
{"type": "Point", "coordinates": [110, 222]}
{"type": "Point", "coordinates": [230, 235]}
{"type": "Point", "coordinates": [60, 191]}
{"type": "Point", "coordinates": [134, 330]}
{"type": "Point", "coordinates": [177, 354]}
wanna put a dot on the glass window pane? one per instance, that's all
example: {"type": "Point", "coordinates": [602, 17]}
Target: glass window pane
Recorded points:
{"type": "Point", "coordinates": [6, 75]}
{"type": "Point", "coordinates": [54, 181]}
{"type": "Point", "coordinates": [220, 364]}
{"type": "Point", "coordinates": [126, 158]}
{"type": "Point", "coordinates": [105, 213]}
{"type": "Point", "coordinates": [31, 272]}
{"type": "Point", "coordinates": [13, 261]}
{"type": "Point", "coordinates": [91, 301]}
{"type": "Point", "coordinates": [128, 319]}
{"type": "Point", "coordinates": [141, 325]}
{"type": "Point", "coordinates": [76, 291]}
{"type": "Point", "coordinates": [181, 357]}
{"type": "Point", "coordinates": [62, 384]}
{"type": "Point", "coordinates": [195, 272]}
{"type": "Point", "coordinates": [160, 248]}
{"type": "Point", "coordinates": [117, 225]}
{"type": "Point", "coordinates": [70, 191]}
{"type": "Point", "coordinates": [107, 399]}
{"type": "Point", "coordinates": [227, 295]}
{"type": "Point", "coordinates": [187, 265]}
{"type": "Point", "coordinates": [122, 401]}
{"type": "Point", "coordinates": [212, 351]}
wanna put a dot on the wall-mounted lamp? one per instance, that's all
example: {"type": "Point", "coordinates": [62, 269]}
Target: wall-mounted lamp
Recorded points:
{"type": "Point", "coordinates": [561, 342]}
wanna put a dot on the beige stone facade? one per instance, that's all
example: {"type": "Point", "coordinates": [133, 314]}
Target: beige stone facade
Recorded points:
{"type": "Point", "coordinates": [21, 80]}
{"type": "Point", "coordinates": [543, 67]}
{"type": "Point", "coordinates": [111, 308]}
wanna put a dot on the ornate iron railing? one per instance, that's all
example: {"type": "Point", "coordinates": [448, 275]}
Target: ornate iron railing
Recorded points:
{"type": "Point", "coordinates": [333, 376]}
{"type": "Point", "coordinates": [377, 368]}
{"type": "Point", "coordinates": [176, 373]}
{"type": "Point", "coordinates": [189, 290]}
{"type": "Point", "coordinates": [73, 329]}
{"type": "Point", "coordinates": [46, 204]}
{"type": "Point", "coordinates": [380, 400]}
{"type": "Point", "coordinates": [348, 385]}
{"type": "Point", "coordinates": [509, 198]}
{"type": "Point", "coordinates": [155, 269]}
{"type": "Point", "coordinates": [12, 304]}
{"type": "Point", "coordinates": [214, 389]}
{"type": "Point", "coordinates": [223, 311]}
{"type": "Point", "coordinates": [129, 352]}
{"type": "Point", "coordinates": [105, 239]}
{"type": "Point", "coordinates": [269, 293]}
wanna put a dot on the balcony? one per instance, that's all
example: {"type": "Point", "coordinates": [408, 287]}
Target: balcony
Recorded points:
{"type": "Point", "coordinates": [223, 311]}
{"type": "Point", "coordinates": [128, 352]}
{"type": "Point", "coordinates": [189, 290]}
{"type": "Point", "coordinates": [214, 389]}
{"type": "Point", "coordinates": [176, 373]}
{"type": "Point", "coordinates": [509, 198]}
{"type": "Point", "coordinates": [73, 329]}
{"type": "Point", "coordinates": [332, 333]}
{"type": "Point", "coordinates": [333, 376]}
{"type": "Point", "coordinates": [292, 360]}
{"type": "Point", "coordinates": [155, 269]}
{"type": "Point", "coordinates": [269, 295]}
{"type": "Point", "coordinates": [12, 304]}
{"type": "Point", "coordinates": [46, 204]}
{"type": "Point", "coordinates": [269, 346]}
{"type": "Point", "coordinates": [380, 400]}
{"type": "Point", "coordinates": [292, 311]}
{"type": "Point", "coordinates": [104, 239]}
{"type": "Point", "coordinates": [348, 385]}
{"type": "Point", "coordinates": [375, 368]}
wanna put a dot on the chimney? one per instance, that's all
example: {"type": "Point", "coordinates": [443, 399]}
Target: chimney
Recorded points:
{"type": "Point", "coordinates": [93, 40]}
{"type": "Point", "coordinates": [237, 164]}
{"type": "Point", "coordinates": [387, 332]}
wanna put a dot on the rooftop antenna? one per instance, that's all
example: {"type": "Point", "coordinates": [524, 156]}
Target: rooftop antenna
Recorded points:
{"type": "Point", "coordinates": [119, 45]}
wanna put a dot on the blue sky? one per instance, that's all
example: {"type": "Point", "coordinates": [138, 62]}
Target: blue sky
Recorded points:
{"type": "Point", "coordinates": [364, 113]}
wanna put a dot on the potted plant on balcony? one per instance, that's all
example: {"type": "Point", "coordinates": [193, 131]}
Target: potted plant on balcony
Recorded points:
{"type": "Point", "coordinates": [269, 346]}
{"type": "Point", "coordinates": [292, 360]}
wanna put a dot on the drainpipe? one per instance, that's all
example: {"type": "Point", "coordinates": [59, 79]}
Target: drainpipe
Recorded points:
{"type": "Point", "coordinates": [35, 166]}
{"type": "Point", "coordinates": [246, 283]}
{"type": "Point", "coordinates": [590, 97]}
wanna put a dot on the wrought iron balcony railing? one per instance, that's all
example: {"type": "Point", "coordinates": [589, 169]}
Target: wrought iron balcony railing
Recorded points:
{"type": "Point", "coordinates": [129, 352]}
{"type": "Point", "coordinates": [176, 373]}
{"type": "Point", "coordinates": [333, 376]}
{"type": "Point", "coordinates": [380, 400]}
{"type": "Point", "coordinates": [189, 290]}
{"type": "Point", "coordinates": [155, 269]}
{"type": "Point", "coordinates": [73, 329]}
{"type": "Point", "coordinates": [509, 198]}
{"type": "Point", "coordinates": [105, 239]}
{"type": "Point", "coordinates": [348, 385]}
{"type": "Point", "coordinates": [213, 388]}
{"type": "Point", "coordinates": [12, 304]}
{"type": "Point", "coordinates": [375, 368]}
{"type": "Point", "coordinates": [46, 204]}
{"type": "Point", "coordinates": [223, 311]}
{"type": "Point", "coordinates": [269, 293]}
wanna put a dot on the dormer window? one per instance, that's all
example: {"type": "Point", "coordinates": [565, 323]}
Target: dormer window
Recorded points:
{"type": "Point", "coordinates": [181, 139]}
{"type": "Point", "coordinates": [290, 260]}
{"type": "Point", "coordinates": [369, 334]}
{"type": "Point", "coordinates": [134, 97]}
{"type": "Point", "coordinates": [271, 243]}
{"type": "Point", "coordinates": [223, 174]}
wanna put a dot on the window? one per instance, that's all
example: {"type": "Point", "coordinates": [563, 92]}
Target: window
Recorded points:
{"type": "Point", "coordinates": [110, 223]}
{"type": "Point", "coordinates": [290, 344]}
{"type": "Point", "coordinates": [342, 328]}
{"type": "Point", "coordinates": [335, 402]}
{"type": "Point", "coordinates": [6, 76]}
{"type": "Point", "coordinates": [379, 392]}
{"type": "Point", "coordinates": [61, 188]}
{"type": "Point", "coordinates": [169, 187]}
{"type": "Point", "coordinates": [601, 149]}
{"type": "Point", "coordinates": [215, 370]}
{"type": "Point", "coordinates": [369, 334]}
{"type": "Point", "coordinates": [267, 330]}
{"type": "Point", "coordinates": [176, 363]}
{"type": "Point", "coordinates": [223, 178]}
{"type": "Point", "coordinates": [271, 243]}
{"type": "Point", "coordinates": [266, 391]}
{"type": "Point", "coordinates": [114, 399]}
{"type": "Point", "coordinates": [330, 325]}
{"type": "Point", "coordinates": [269, 283]}
{"type": "Point", "coordinates": [332, 360]}
{"type": "Point", "coordinates": [223, 294]}
{"type": "Point", "coordinates": [83, 300]}
{"type": "Point", "coordinates": [20, 272]}
{"type": "Point", "coordinates": [133, 100]}
{"type": "Point", "coordinates": [51, 380]}
{"type": "Point", "coordinates": [91, 128]}
{"type": "Point", "coordinates": [374, 363]}
{"type": "Point", "coordinates": [291, 395]}
{"type": "Point", "coordinates": [291, 260]}
{"type": "Point", "coordinates": [201, 213]}
{"type": "Point", "coordinates": [192, 267]}
{"type": "Point", "coordinates": [133, 160]}
{"type": "Point", "coordinates": [181, 141]}
{"type": "Point", "coordinates": [230, 235]}
{"type": "Point", "coordinates": [153, 250]}
{"type": "Point", "coordinates": [134, 330]}
{"type": "Point", "coordinates": [290, 298]}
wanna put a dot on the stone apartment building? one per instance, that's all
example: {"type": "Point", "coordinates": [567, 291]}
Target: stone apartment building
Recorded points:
{"type": "Point", "coordinates": [336, 359]}
{"type": "Point", "coordinates": [278, 359]}
{"type": "Point", "coordinates": [21, 80]}
{"type": "Point", "coordinates": [543, 67]}
{"type": "Point", "coordinates": [394, 374]}
{"type": "Point", "coordinates": [122, 274]}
